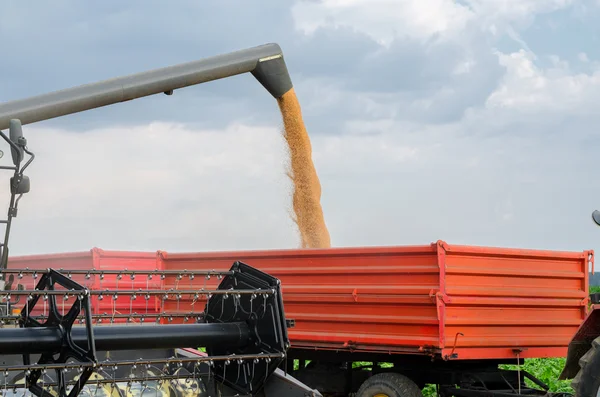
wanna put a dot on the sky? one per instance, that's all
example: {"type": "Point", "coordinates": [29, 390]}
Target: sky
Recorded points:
{"type": "Point", "coordinates": [474, 122]}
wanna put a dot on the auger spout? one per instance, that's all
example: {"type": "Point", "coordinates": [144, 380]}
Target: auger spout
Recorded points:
{"type": "Point", "coordinates": [265, 62]}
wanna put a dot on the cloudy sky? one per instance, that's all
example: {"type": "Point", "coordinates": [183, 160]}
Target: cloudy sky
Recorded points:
{"type": "Point", "coordinates": [474, 121]}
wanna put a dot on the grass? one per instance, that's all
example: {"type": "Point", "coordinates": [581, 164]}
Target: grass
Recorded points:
{"type": "Point", "coordinates": [545, 369]}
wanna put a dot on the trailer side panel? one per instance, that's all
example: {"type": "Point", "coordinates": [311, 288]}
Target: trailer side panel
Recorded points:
{"type": "Point", "coordinates": [458, 302]}
{"type": "Point", "coordinates": [511, 302]}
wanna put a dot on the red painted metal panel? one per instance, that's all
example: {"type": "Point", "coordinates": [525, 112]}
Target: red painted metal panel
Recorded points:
{"type": "Point", "coordinates": [98, 259]}
{"type": "Point", "coordinates": [512, 301]}
{"type": "Point", "coordinates": [460, 302]}
{"type": "Point", "coordinates": [356, 298]}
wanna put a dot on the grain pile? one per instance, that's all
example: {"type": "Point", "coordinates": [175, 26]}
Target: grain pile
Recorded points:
{"type": "Point", "coordinates": [308, 214]}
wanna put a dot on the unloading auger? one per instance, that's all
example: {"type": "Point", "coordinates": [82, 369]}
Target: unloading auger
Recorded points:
{"type": "Point", "coordinates": [265, 63]}
{"type": "Point", "coordinates": [56, 341]}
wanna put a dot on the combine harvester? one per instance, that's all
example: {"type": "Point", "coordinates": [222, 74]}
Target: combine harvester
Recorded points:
{"type": "Point", "coordinates": [53, 342]}
{"type": "Point", "coordinates": [440, 314]}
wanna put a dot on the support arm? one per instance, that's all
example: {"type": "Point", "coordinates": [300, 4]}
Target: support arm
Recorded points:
{"type": "Point", "coordinates": [265, 62]}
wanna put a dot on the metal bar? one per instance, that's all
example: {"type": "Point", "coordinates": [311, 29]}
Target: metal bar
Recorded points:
{"type": "Point", "coordinates": [150, 362]}
{"type": "Point", "coordinates": [106, 316]}
{"type": "Point", "coordinates": [122, 272]}
{"type": "Point", "coordinates": [105, 381]}
{"type": "Point", "coordinates": [265, 62]}
{"type": "Point", "coordinates": [44, 339]}
{"type": "Point", "coordinates": [152, 292]}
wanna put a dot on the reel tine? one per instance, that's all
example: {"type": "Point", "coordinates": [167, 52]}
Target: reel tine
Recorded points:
{"type": "Point", "coordinates": [267, 361]}
{"type": "Point", "coordinates": [114, 306]}
{"type": "Point", "coordinates": [131, 370]}
{"type": "Point", "coordinates": [264, 306]}
{"type": "Point", "coordinates": [239, 365]}
{"type": "Point", "coordinates": [225, 364]}
{"type": "Point", "coordinates": [254, 362]}
{"type": "Point", "coordinates": [194, 300]}
{"type": "Point", "coordinates": [97, 387]}
{"type": "Point", "coordinates": [225, 297]}
{"type": "Point", "coordinates": [177, 280]}
{"type": "Point", "coordinates": [211, 365]}
{"type": "Point", "coordinates": [252, 298]}
{"type": "Point", "coordinates": [147, 296]}
{"type": "Point", "coordinates": [44, 373]}
{"type": "Point", "coordinates": [80, 371]}
{"type": "Point", "coordinates": [191, 277]}
{"type": "Point", "coordinates": [88, 279]}
{"type": "Point", "coordinates": [196, 377]}
{"type": "Point", "coordinates": [118, 278]}
{"type": "Point", "coordinates": [5, 389]}
{"type": "Point", "coordinates": [245, 368]}
{"type": "Point", "coordinates": [65, 297]}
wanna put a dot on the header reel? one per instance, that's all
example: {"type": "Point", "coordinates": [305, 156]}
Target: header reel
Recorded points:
{"type": "Point", "coordinates": [57, 347]}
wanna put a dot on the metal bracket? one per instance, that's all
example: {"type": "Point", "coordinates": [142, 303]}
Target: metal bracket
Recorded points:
{"type": "Point", "coordinates": [64, 324]}
{"type": "Point", "coordinates": [264, 315]}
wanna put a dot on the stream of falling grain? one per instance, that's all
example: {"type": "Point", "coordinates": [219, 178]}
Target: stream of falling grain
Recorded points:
{"type": "Point", "coordinates": [308, 214]}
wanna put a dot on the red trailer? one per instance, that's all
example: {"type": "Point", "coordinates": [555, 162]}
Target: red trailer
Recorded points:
{"type": "Point", "coordinates": [447, 301]}
{"type": "Point", "coordinates": [76, 265]}
{"type": "Point", "coordinates": [440, 314]}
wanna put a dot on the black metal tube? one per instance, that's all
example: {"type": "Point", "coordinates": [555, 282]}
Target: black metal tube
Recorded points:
{"type": "Point", "coordinates": [126, 337]}
{"type": "Point", "coordinates": [265, 62]}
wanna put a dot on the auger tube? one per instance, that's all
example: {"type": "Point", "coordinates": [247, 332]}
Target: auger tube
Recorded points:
{"type": "Point", "coordinates": [123, 337]}
{"type": "Point", "coordinates": [265, 62]}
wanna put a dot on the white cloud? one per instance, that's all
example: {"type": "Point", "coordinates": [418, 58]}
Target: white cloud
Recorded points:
{"type": "Point", "coordinates": [386, 20]}
{"type": "Point", "coordinates": [527, 88]}
{"type": "Point", "coordinates": [515, 10]}
{"type": "Point", "coordinates": [383, 20]}
{"type": "Point", "coordinates": [163, 186]}
{"type": "Point", "coordinates": [154, 186]}
{"type": "Point", "coordinates": [515, 171]}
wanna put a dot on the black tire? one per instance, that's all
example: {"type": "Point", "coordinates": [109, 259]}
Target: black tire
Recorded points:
{"type": "Point", "coordinates": [389, 385]}
{"type": "Point", "coordinates": [587, 381]}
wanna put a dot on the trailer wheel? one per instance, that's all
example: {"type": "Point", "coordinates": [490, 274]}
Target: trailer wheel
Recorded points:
{"type": "Point", "coordinates": [389, 385]}
{"type": "Point", "coordinates": [587, 381]}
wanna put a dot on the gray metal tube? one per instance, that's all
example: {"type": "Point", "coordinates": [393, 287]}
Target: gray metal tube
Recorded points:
{"type": "Point", "coordinates": [265, 62]}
